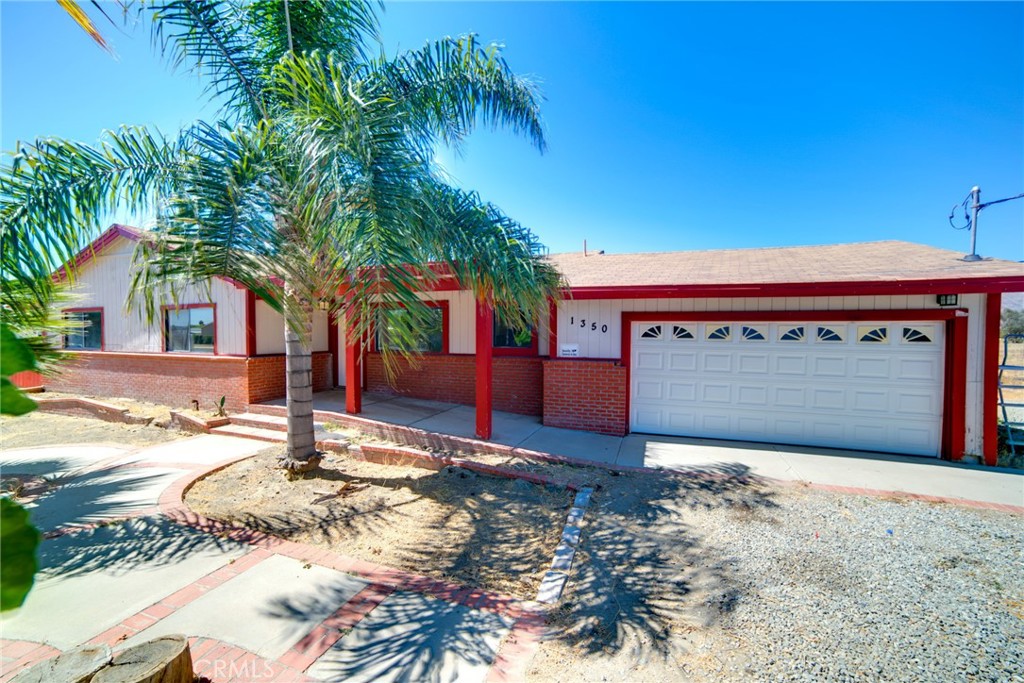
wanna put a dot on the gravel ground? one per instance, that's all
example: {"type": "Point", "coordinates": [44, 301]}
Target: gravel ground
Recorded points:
{"type": "Point", "coordinates": [749, 583]}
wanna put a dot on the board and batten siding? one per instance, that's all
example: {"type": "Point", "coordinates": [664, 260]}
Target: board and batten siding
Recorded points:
{"type": "Point", "coordinates": [270, 330]}
{"type": "Point", "coordinates": [462, 322]}
{"type": "Point", "coordinates": [576, 321]}
{"type": "Point", "coordinates": [104, 281]}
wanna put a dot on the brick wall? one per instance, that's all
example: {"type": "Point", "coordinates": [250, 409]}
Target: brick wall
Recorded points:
{"type": "Point", "coordinates": [518, 382]}
{"type": "Point", "coordinates": [176, 379]}
{"type": "Point", "coordinates": [171, 379]}
{"type": "Point", "coordinates": [585, 394]}
{"type": "Point", "coordinates": [266, 376]}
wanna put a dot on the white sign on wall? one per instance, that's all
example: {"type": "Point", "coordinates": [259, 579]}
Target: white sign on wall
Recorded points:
{"type": "Point", "coordinates": [569, 350]}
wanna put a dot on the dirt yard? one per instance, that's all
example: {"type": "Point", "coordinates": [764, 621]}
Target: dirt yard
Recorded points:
{"type": "Point", "coordinates": [477, 530]}
{"type": "Point", "coordinates": [49, 429]}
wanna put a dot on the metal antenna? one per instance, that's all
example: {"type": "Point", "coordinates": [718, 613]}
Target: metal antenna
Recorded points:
{"type": "Point", "coordinates": [975, 207]}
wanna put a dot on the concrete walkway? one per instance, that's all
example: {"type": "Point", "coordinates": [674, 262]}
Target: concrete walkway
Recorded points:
{"type": "Point", "coordinates": [856, 470]}
{"type": "Point", "coordinates": [125, 561]}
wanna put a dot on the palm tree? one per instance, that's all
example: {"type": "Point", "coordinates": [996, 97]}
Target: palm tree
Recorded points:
{"type": "Point", "coordinates": [318, 185]}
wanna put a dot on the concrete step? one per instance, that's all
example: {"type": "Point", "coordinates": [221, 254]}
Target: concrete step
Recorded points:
{"type": "Point", "coordinates": [261, 421]}
{"type": "Point", "coordinates": [264, 409]}
{"type": "Point", "coordinates": [270, 435]}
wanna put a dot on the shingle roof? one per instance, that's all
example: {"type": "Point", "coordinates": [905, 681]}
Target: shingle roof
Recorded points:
{"type": "Point", "coordinates": [889, 261]}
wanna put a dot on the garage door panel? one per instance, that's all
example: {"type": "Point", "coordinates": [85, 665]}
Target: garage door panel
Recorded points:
{"type": "Point", "coordinates": [828, 399]}
{"type": "Point", "coordinates": [791, 365]}
{"type": "Point", "coordinates": [752, 395]}
{"type": "Point", "coordinates": [649, 390]}
{"type": "Point", "coordinates": [917, 368]}
{"type": "Point", "coordinates": [682, 391]}
{"type": "Point", "coordinates": [872, 390]}
{"type": "Point", "coordinates": [717, 362]}
{"type": "Point", "coordinates": [828, 366]}
{"type": "Point", "coordinates": [790, 397]}
{"type": "Point", "coordinates": [683, 361]}
{"type": "Point", "coordinates": [716, 393]}
{"type": "Point", "coordinates": [872, 368]}
{"type": "Point", "coordinates": [871, 401]}
{"type": "Point", "coordinates": [753, 364]}
{"type": "Point", "coordinates": [650, 360]}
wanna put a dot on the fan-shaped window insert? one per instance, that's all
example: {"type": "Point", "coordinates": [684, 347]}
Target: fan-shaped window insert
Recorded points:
{"type": "Point", "coordinates": [753, 334]}
{"type": "Point", "coordinates": [792, 334]}
{"type": "Point", "coordinates": [679, 332]}
{"type": "Point", "coordinates": [868, 334]}
{"type": "Point", "coordinates": [721, 333]}
{"type": "Point", "coordinates": [652, 332]}
{"type": "Point", "coordinates": [829, 334]}
{"type": "Point", "coordinates": [915, 335]}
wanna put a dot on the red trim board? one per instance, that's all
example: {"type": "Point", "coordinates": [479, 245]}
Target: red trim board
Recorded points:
{"type": "Point", "coordinates": [853, 288]}
{"type": "Point", "coordinates": [954, 400]}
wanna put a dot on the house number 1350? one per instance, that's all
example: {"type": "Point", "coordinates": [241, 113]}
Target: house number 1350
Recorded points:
{"type": "Point", "coordinates": [583, 324]}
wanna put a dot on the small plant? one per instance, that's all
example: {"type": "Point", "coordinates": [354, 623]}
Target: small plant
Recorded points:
{"type": "Point", "coordinates": [220, 407]}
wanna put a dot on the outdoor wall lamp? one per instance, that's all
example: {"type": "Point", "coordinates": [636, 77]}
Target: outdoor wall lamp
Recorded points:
{"type": "Point", "coordinates": [946, 299]}
{"type": "Point", "coordinates": [325, 305]}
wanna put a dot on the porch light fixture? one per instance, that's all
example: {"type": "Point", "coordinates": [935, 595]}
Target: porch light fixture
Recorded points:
{"type": "Point", "coordinates": [325, 305]}
{"type": "Point", "coordinates": [946, 299]}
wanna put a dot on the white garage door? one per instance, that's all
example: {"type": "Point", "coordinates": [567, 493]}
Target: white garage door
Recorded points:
{"type": "Point", "coordinates": [860, 385]}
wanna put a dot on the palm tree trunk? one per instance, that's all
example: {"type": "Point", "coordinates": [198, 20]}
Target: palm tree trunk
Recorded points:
{"type": "Point", "coordinates": [302, 454]}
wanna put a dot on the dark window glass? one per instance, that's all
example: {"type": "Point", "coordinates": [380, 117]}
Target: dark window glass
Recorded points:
{"type": "Point", "coordinates": [398, 331]}
{"type": "Point", "coordinates": [190, 329]}
{"type": "Point", "coordinates": [88, 333]}
{"type": "Point", "coordinates": [508, 337]}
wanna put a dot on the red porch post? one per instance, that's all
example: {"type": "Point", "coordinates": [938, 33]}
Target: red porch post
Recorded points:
{"type": "Point", "coordinates": [484, 389]}
{"type": "Point", "coordinates": [353, 366]}
{"type": "Point", "coordinates": [332, 347]}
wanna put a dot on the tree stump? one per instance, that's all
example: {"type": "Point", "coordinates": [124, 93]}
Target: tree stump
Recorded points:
{"type": "Point", "coordinates": [161, 660]}
{"type": "Point", "coordinates": [77, 666]}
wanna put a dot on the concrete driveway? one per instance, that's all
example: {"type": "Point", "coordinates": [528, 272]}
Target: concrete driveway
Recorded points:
{"type": "Point", "coordinates": [125, 561]}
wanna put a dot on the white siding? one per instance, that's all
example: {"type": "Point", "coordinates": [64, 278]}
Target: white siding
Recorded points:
{"type": "Point", "coordinates": [270, 330]}
{"type": "Point", "coordinates": [104, 282]}
{"type": "Point", "coordinates": [975, 305]}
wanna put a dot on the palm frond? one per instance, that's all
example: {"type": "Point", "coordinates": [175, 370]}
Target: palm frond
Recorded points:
{"type": "Point", "coordinates": [447, 85]}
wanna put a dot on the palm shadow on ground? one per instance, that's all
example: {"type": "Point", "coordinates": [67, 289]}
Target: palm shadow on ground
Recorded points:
{"type": "Point", "coordinates": [644, 579]}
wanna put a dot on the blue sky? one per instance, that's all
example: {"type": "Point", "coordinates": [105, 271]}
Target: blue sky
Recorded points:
{"type": "Point", "coordinates": [670, 125]}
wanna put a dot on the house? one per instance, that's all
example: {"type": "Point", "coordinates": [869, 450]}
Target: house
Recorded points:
{"type": "Point", "coordinates": [882, 346]}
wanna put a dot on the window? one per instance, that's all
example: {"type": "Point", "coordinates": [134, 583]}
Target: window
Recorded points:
{"type": "Point", "coordinates": [917, 335]}
{"type": "Point", "coordinates": [680, 332]}
{"type": "Point", "coordinates": [791, 334]}
{"type": "Point", "coordinates": [872, 335]}
{"type": "Point", "coordinates": [753, 333]}
{"type": "Point", "coordinates": [722, 333]}
{"type": "Point", "coordinates": [509, 337]}
{"type": "Point", "coordinates": [87, 333]}
{"type": "Point", "coordinates": [829, 334]}
{"type": "Point", "coordinates": [399, 330]}
{"type": "Point", "coordinates": [189, 329]}
{"type": "Point", "coordinates": [652, 332]}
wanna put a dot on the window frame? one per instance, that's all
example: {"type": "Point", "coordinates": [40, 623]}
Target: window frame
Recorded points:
{"type": "Point", "coordinates": [103, 331]}
{"type": "Point", "coordinates": [523, 351]}
{"type": "Point", "coordinates": [187, 307]}
{"type": "Point", "coordinates": [445, 328]}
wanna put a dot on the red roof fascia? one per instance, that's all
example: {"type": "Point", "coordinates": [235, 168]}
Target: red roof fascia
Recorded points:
{"type": "Point", "coordinates": [876, 287]}
{"type": "Point", "coordinates": [109, 235]}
